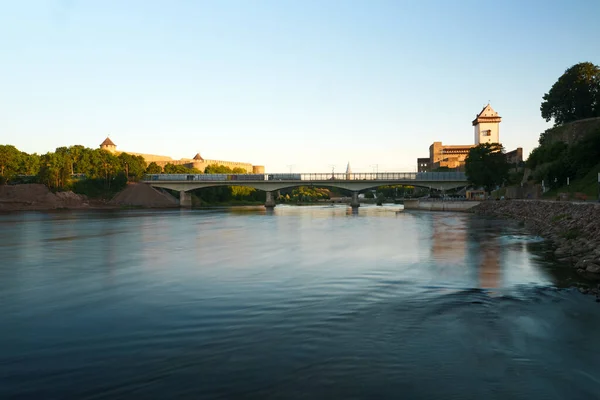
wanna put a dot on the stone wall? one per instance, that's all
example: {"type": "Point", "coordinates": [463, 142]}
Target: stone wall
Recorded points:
{"type": "Point", "coordinates": [428, 205]}
{"type": "Point", "coordinates": [571, 132]}
{"type": "Point", "coordinates": [161, 161]}
{"type": "Point", "coordinates": [574, 228]}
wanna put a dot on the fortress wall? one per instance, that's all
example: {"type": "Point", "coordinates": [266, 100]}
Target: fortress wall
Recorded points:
{"type": "Point", "coordinates": [161, 161]}
{"type": "Point", "coordinates": [150, 157]}
{"type": "Point", "coordinates": [231, 164]}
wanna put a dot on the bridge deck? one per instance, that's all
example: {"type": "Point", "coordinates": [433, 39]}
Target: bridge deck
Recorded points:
{"type": "Point", "coordinates": [312, 177]}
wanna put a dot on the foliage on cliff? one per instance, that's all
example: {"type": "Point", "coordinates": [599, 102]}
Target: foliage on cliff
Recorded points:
{"type": "Point", "coordinates": [572, 149]}
{"type": "Point", "coordinates": [486, 166]}
{"type": "Point", "coordinates": [554, 162]}
{"type": "Point", "coordinates": [575, 96]}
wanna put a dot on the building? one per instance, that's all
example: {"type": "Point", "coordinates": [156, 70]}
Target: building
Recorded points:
{"type": "Point", "coordinates": [197, 162]}
{"type": "Point", "coordinates": [423, 164]}
{"type": "Point", "coordinates": [487, 126]}
{"type": "Point", "coordinates": [486, 129]}
{"type": "Point", "coordinates": [515, 157]}
{"type": "Point", "coordinates": [448, 156]}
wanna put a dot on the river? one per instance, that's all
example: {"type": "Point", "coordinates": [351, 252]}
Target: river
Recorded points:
{"type": "Point", "coordinates": [303, 302]}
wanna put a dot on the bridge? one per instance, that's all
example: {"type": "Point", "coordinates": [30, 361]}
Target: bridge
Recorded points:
{"type": "Point", "coordinates": [354, 182]}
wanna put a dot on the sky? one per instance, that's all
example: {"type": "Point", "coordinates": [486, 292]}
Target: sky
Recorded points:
{"type": "Point", "coordinates": [302, 86]}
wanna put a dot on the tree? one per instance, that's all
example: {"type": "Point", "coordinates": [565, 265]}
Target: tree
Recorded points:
{"type": "Point", "coordinates": [10, 157]}
{"type": "Point", "coordinates": [180, 169]}
{"type": "Point", "coordinates": [154, 168]}
{"type": "Point", "coordinates": [576, 95]}
{"type": "Point", "coordinates": [133, 166]}
{"type": "Point", "coordinates": [486, 166]}
{"type": "Point", "coordinates": [55, 169]}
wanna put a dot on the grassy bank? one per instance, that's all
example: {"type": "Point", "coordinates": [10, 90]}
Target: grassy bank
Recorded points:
{"type": "Point", "coordinates": [587, 185]}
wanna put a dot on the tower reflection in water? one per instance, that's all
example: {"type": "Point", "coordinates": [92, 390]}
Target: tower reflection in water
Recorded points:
{"type": "Point", "coordinates": [460, 243]}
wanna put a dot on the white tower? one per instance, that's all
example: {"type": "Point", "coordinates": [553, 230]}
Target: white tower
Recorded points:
{"type": "Point", "coordinates": [487, 126]}
{"type": "Point", "coordinates": [348, 171]}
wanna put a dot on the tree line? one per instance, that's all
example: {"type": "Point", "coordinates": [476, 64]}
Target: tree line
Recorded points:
{"type": "Point", "coordinates": [98, 173]}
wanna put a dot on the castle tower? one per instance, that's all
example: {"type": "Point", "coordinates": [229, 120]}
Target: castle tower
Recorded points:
{"type": "Point", "coordinates": [108, 145]}
{"type": "Point", "coordinates": [487, 126]}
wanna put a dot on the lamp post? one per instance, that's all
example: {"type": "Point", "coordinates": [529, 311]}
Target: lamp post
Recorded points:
{"type": "Point", "coordinates": [127, 171]}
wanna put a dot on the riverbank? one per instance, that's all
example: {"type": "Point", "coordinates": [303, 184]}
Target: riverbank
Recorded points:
{"type": "Point", "coordinates": [573, 228]}
{"type": "Point", "coordinates": [37, 197]}
{"type": "Point", "coordinates": [439, 205]}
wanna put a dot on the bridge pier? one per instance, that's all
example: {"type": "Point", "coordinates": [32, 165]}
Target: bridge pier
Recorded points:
{"type": "Point", "coordinates": [354, 203]}
{"type": "Point", "coordinates": [270, 202]}
{"type": "Point", "coordinates": [185, 199]}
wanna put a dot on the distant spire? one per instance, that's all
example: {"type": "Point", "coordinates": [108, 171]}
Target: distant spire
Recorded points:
{"type": "Point", "coordinates": [348, 169]}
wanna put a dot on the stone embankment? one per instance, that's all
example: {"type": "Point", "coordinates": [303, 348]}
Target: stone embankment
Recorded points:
{"type": "Point", "coordinates": [574, 228]}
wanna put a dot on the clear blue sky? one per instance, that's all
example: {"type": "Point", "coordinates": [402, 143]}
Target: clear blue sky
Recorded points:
{"type": "Point", "coordinates": [308, 83]}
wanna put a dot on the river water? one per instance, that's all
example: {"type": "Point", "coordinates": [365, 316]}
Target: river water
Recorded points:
{"type": "Point", "coordinates": [303, 302]}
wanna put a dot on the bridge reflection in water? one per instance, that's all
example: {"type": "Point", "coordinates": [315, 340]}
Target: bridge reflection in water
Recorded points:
{"type": "Point", "coordinates": [354, 182]}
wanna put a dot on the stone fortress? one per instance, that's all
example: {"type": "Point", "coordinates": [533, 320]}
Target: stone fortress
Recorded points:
{"type": "Point", "coordinates": [197, 162]}
{"type": "Point", "coordinates": [486, 130]}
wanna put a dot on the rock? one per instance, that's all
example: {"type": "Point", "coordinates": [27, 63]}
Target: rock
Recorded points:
{"type": "Point", "coordinates": [560, 252]}
{"type": "Point", "coordinates": [593, 268]}
{"type": "Point", "coordinates": [583, 290]}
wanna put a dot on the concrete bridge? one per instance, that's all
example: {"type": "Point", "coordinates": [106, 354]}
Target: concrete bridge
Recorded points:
{"type": "Point", "coordinates": [354, 182]}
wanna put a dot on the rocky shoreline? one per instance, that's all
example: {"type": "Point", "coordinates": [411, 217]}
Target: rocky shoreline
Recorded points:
{"type": "Point", "coordinates": [573, 228]}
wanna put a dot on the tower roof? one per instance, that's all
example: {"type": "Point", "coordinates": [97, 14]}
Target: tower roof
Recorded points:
{"type": "Point", "coordinates": [487, 114]}
{"type": "Point", "coordinates": [348, 169]}
{"type": "Point", "coordinates": [107, 142]}
{"type": "Point", "coordinates": [198, 157]}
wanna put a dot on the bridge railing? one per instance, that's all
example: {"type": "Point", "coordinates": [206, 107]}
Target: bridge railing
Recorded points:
{"type": "Point", "coordinates": [313, 177]}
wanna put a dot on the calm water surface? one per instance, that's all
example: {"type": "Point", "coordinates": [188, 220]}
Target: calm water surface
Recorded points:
{"type": "Point", "coordinates": [306, 302]}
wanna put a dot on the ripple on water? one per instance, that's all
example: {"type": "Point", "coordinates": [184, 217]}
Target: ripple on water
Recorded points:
{"type": "Point", "coordinates": [305, 302]}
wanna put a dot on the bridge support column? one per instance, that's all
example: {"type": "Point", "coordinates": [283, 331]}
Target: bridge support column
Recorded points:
{"type": "Point", "coordinates": [354, 203]}
{"type": "Point", "coordinates": [185, 199]}
{"type": "Point", "coordinates": [270, 202]}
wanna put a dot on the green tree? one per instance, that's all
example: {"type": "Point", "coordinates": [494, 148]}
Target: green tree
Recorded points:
{"type": "Point", "coordinates": [180, 169]}
{"type": "Point", "coordinates": [154, 168]}
{"type": "Point", "coordinates": [217, 169]}
{"type": "Point", "coordinates": [10, 157]}
{"type": "Point", "coordinates": [29, 164]}
{"type": "Point", "coordinates": [55, 170]}
{"type": "Point", "coordinates": [576, 95]}
{"type": "Point", "coordinates": [133, 166]}
{"type": "Point", "coordinates": [486, 166]}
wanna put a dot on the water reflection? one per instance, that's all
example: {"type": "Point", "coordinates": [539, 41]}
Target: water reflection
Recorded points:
{"type": "Point", "coordinates": [313, 302]}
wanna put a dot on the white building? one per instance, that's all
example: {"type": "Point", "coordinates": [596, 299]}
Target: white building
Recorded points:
{"type": "Point", "coordinates": [487, 126]}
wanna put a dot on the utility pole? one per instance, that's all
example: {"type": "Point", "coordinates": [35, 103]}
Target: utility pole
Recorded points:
{"type": "Point", "coordinates": [290, 166]}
